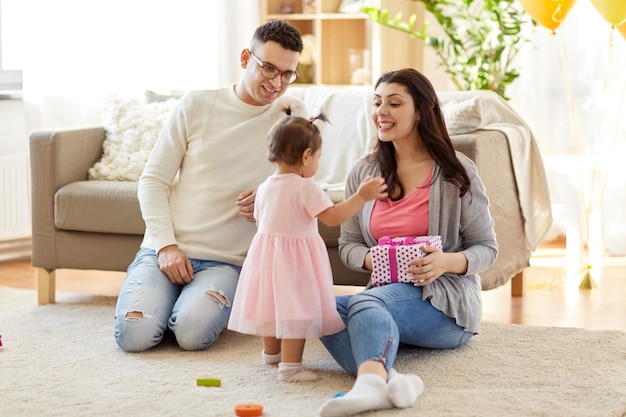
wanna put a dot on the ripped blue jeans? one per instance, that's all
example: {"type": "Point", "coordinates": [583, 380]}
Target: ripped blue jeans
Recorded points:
{"type": "Point", "coordinates": [380, 318]}
{"type": "Point", "coordinates": [196, 312]}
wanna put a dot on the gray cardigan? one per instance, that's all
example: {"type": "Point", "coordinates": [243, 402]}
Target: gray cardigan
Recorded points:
{"type": "Point", "coordinates": [464, 224]}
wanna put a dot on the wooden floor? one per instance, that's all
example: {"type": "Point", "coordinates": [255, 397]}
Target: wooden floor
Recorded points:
{"type": "Point", "coordinates": [552, 296]}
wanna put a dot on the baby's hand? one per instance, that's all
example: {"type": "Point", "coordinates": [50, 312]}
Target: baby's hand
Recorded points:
{"type": "Point", "coordinates": [372, 188]}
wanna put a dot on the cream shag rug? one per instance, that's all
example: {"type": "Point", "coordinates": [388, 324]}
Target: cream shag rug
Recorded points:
{"type": "Point", "coordinates": [61, 360]}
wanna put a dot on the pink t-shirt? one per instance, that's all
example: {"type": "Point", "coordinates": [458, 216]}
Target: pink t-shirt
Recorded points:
{"type": "Point", "coordinates": [406, 217]}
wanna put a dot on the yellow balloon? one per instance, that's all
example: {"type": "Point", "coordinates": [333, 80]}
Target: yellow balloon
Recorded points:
{"type": "Point", "coordinates": [613, 11]}
{"type": "Point", "coordinates": [622, 29]}
{"type": "Point", "coordinates": [548, 13]}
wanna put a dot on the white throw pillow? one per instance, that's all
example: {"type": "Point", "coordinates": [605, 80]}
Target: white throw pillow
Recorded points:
{"type": "Point", "coordinates": [132, 128]}
{"type": "Point", "coordinates": [463, 116]}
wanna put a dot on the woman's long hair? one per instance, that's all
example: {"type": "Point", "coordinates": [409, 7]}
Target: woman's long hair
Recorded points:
{"type": "Point", "coordinates": [432, 128]}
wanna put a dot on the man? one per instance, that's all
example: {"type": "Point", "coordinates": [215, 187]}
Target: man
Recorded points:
{"type": "Point", "coordinates": [196, 193]}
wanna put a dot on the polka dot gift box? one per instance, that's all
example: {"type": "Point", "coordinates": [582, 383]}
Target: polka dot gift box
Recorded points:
{"type": "Point", "coordinates": [391, 257]}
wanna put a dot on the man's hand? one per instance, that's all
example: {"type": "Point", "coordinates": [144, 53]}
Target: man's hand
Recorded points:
{"type": "Point", "coordinates": [176, 265]}
{"type": "Point", "coordinates": [245, 201]}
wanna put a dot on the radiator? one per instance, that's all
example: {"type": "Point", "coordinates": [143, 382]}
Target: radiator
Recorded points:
{"type": "Point", "coordinates": [14, 197]}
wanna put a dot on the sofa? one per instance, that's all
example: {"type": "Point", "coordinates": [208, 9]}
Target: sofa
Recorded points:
{"type": "Point", "coordinates": [80, 221]}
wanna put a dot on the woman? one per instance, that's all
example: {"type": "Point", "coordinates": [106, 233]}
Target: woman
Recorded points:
{"type": "Point", "coordinates": [433, 190]}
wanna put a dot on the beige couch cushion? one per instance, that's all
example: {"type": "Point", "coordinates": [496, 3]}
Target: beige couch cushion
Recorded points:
{"type": "Point", "coordinates": [99, 206]}
{"type": "Point", "coordinates": [88, 206]}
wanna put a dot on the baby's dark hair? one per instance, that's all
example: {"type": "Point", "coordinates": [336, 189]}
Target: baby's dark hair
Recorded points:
{"type": "Point", "coordinates": [291, 136]}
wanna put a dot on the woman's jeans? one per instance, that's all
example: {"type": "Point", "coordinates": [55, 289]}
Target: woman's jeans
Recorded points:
{"type": "Point", "coordinates": [196, 312]}
{"type": "Point", "coordinates": [380, 318]}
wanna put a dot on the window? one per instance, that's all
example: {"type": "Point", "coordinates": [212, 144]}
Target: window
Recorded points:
{"type": "Point", "coordinates": [10, 77]}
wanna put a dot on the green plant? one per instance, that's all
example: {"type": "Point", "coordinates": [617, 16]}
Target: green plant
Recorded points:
{"type": "Point", "coordinates": [482, 39]}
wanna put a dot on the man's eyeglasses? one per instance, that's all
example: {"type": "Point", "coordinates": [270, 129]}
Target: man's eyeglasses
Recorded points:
{"type": "Point", "coordinates": [270, 72]}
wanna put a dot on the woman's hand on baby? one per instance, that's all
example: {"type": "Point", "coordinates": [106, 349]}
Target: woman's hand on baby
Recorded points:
{"type": "Point", "coordinates": [372, 189]}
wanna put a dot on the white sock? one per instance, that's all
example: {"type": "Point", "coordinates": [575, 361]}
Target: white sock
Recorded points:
{"type": "Point", "coordinates": [270, 359]}
{"type": "Point", "coordinates": [295, 372]}
{"type": "Point", "coordinates": [368, 393]}
{"type": "Point", "coordinates": [404, 389]}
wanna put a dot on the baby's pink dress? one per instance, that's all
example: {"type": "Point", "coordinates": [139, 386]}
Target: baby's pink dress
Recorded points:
{"type": "Point", "coordinates": [285, 288]}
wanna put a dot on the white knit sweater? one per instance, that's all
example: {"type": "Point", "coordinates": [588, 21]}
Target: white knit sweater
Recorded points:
{"type": "Point", "coordinates": [212, 147]}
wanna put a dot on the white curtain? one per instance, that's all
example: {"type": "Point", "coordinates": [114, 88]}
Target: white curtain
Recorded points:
{"type": "Point", "coordinates": [571, 92]}
{"type": "Point", "coordinates": [73, 53]}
